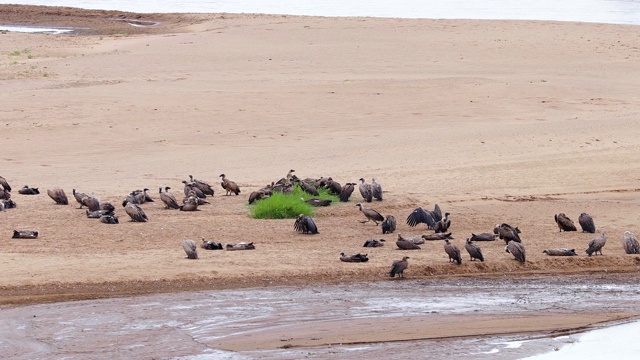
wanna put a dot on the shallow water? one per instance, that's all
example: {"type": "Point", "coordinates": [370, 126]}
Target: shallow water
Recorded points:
{"type": "Point", "coordinates": [604, 11]}
{"type": "Point", "coordinates": [183, 325]}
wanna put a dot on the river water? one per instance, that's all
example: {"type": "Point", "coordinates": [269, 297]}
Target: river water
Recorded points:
{"type": "Point", "coordinates": [188, 325]}
{"type": "Point", "coordinates": [603, 11]}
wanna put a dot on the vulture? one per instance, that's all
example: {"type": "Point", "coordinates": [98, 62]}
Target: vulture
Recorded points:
{"type": "Point", "coordinates": [189, 187]}
{"type": "Point", "coordinates": [365, 190]}
{"type": "Point", "coordinates": [354, 258]}
{"type": "Point", "coordinates": [5, 194]}
{"type": "Point", "coordinates": [211, 245]}
{"type": "Point", "coordinates": [389, 225]}
{"type": "Point", "coordinates": [304, 224]}
{"type": "Point", "coordinates": [147, 197]}
{"type": "Point", "coordinates": [26, 190]}
{"type": "Point", "coordinates": [374, 243]}
{"type": "Point", "coordinates": [256, 195]}
{"type": "Point", "coordinates": [376, 190]}
{"type": "Point", "coordinates": [398, 267]}
{"type": "Point", "coordinates": [407, 245]}
{"type": "Point", "coordinates": [346, 192]}
{"type": "Point", "coordinates": [564, 223]}
{"type": "Point", "coordinates": [170, 201]}
{"type": "Point", "coordinates": [289, 174]}
{"type": "Point", "coordinates": [507, 233]}
{"type": "Point", "coordinates": [438, 236]}
{"type": "Point", "coordinates": [5, 184]}
{"type": "Point", "coordinates": [586, 222]}
{"type": "Point", "coordinates": [79, 196]}
{"type": "Point", "coordinates": [516, 249]}
{"type": "Point", "coordinates": [190, 203]}
{"type": "Point", "coordinates": [240, 246]}
{"type": "Point", "coordinates": [58, 196]}
{"type": "Point", "coordinates": [560, 252]}
{"type": "Point", "coordinates": [597, 244]}
{"type": "Point", "coordinates": [370, 214]}
{"type": "Point", "coordinates": [308, 188]}
{"type": "Point", "coordinates": [25, 234]}
{"type": "Point", "coordinates": [136, 213]}
{"type": "Point", "coordinates": [91, 202]}
{"type": "Point", "coordinates": [422, 216]}
{"type": "Point", "coordinates": [98, 213]}
{"type": "Point", "coordinates": [229, 186]}
{"type": "Point", "coordinates": [474, 250]}
{"type": "Point", "coordinates": [190, 248]}
{"type": "Point", "coordinates": [7, 204]}
{"type": "Point", "coordinates": [414, 239]}
{"type": "Point", "coordinates": [109, 219]}
{"type": "Point", "coordinates": [453, 251]}
{"type": "Point", "coordinates": [630, 243]}
{"type": "Point", "coordinates": [202, 185]}
{"type": "Point", "coordinates": [443, 225]}
{"type": "Point", "coordinates": [107, 206]}
{"type": "Point", "coordinates": [483, 237]}
{"type": "Point", "coordinates": [334, 187]}
{"type": "Point", "coordinates": [318, 202]}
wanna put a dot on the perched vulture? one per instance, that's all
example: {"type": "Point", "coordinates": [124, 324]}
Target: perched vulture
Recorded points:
{"type": "Point", "coordinates": [507, 233]}
{"type": "Point", "coordinates": [453, 251]}
{"type": "Point", "coordinates": [190, 203]}
{"type": "Point", "coordinates": [190, 248]}
{"type": "Point", "coordinates": [370, 214]}
{"type": "Point", "coordinates": [376, 190]}
{"type": "Point", "coordinates": [189, 187]}
{"type": "Point", "coordinates": [365, 190]}
{"type": "Point", "coordinates": [422, 216]}
{"type": "Point", "coordinates": [630, 243]}
{"type": "Point", "coordinates": [484, 237]}
{"type": "Point", "coordinates": [211, 245]}
{"type": "Point", "coordinates": [105, 205]}
{"type": "Point", "coordinates": [4, 184]}
{"type": "Point", "coordinates": [516, 249]}
{"type": "Point", "coordinates": [308, 188]}
{"type": "Point", "coordinates": [560, 252]}
{"type": "Point", "coordinates": [26, 190]}
{"type": "Point", "coordinates": [389, 225]}
{"type": "Point", "coordinates": [474, 250]}
{"type": "Point", "coordinates": [229, 186]}
{"type": "Point", "coordinates": [346, 192]}
{"type": "Point", "coordinates": [202, 185]}
{"type": "Point", "coordinates": [91, 202]}
{"type": "Point", "coordinates": [257, 195]}
{"type": "Point", "coordinates": [354, 258]}
{"type": "Point", "coordinates": [443, 225]}
{"type": "Point", "coordinates": [25, 234]}
{"type": "Point", "coordinates": [586, 222]}
{"type": "Point", "coordinates": [564, 223]}
{"type": "Point", "coordinates": [374, 243]}
{"type": "Point", "coordinates": [597, 244]}
{"type": "Point", "coordinates": [136, 213]}
{"type": "Point", "coordinates": [304, 224]}
{"type": "Point", "coordinates": [398, 267]}
{"type": "Point", "coordinates": [170, 201]}
{"type": "Point", "coordinates": [334, 187]}
{"type": "Point", "coordinates": [58, 196]}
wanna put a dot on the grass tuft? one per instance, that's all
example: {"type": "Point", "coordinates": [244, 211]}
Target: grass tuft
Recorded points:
{"type": "Point", "coordinates": [289, 206]}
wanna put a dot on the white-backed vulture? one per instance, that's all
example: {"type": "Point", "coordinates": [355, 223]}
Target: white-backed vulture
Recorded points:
{"type": "Point", "coordinates": [597, 244]}
{"type": "Point", "coordinates": [304, 224]}
{"type": "Point", "coordinates": [370, 214]}
{"type": "Point", "coordinates": [136, 213]}
{"type": "Point", "coordinates": [229, 186]}
{"type": "Point", "coordinates": [453, 251]}
{"type": "Point", "coordinates": [586, 223]}
{"type": "Point", "coordinates": [564, 223]}
{"type": "Point", "coordinates": [398, 267]}
{"type": "Point", "coordinates": [630, 243]}
{"type": "Point", "coordinates": [474, 250]}
{"type": "Point", "coordinates": [58, 195]}
{"type": "Point", "coordinates": [516, 249]}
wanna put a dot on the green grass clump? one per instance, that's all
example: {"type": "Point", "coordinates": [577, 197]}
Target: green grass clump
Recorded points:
{"type": "Point", "coordinates": [287, 206]}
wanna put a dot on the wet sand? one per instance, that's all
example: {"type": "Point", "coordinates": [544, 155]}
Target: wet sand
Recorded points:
{"type": "Point", "coordinates": [496, 121]}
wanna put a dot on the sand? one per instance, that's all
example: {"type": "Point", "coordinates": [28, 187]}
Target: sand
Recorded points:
{"type": "Point", "coordinates": [496, 121]}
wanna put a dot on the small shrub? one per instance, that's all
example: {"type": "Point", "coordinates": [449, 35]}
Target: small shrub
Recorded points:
{"type": "Point", "coordinates": [287, 206]}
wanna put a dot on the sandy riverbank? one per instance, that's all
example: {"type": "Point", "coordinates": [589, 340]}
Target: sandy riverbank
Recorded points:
{"type": "Point", "coordinates": [496, 121]}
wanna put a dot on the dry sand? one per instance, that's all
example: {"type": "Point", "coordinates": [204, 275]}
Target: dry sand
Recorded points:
{"type": "Point", "coordinates": [496, 121]}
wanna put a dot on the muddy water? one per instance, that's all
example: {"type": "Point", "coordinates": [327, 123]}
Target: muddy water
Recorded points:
{"type": "Point", "coordinates": [185, 325]}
